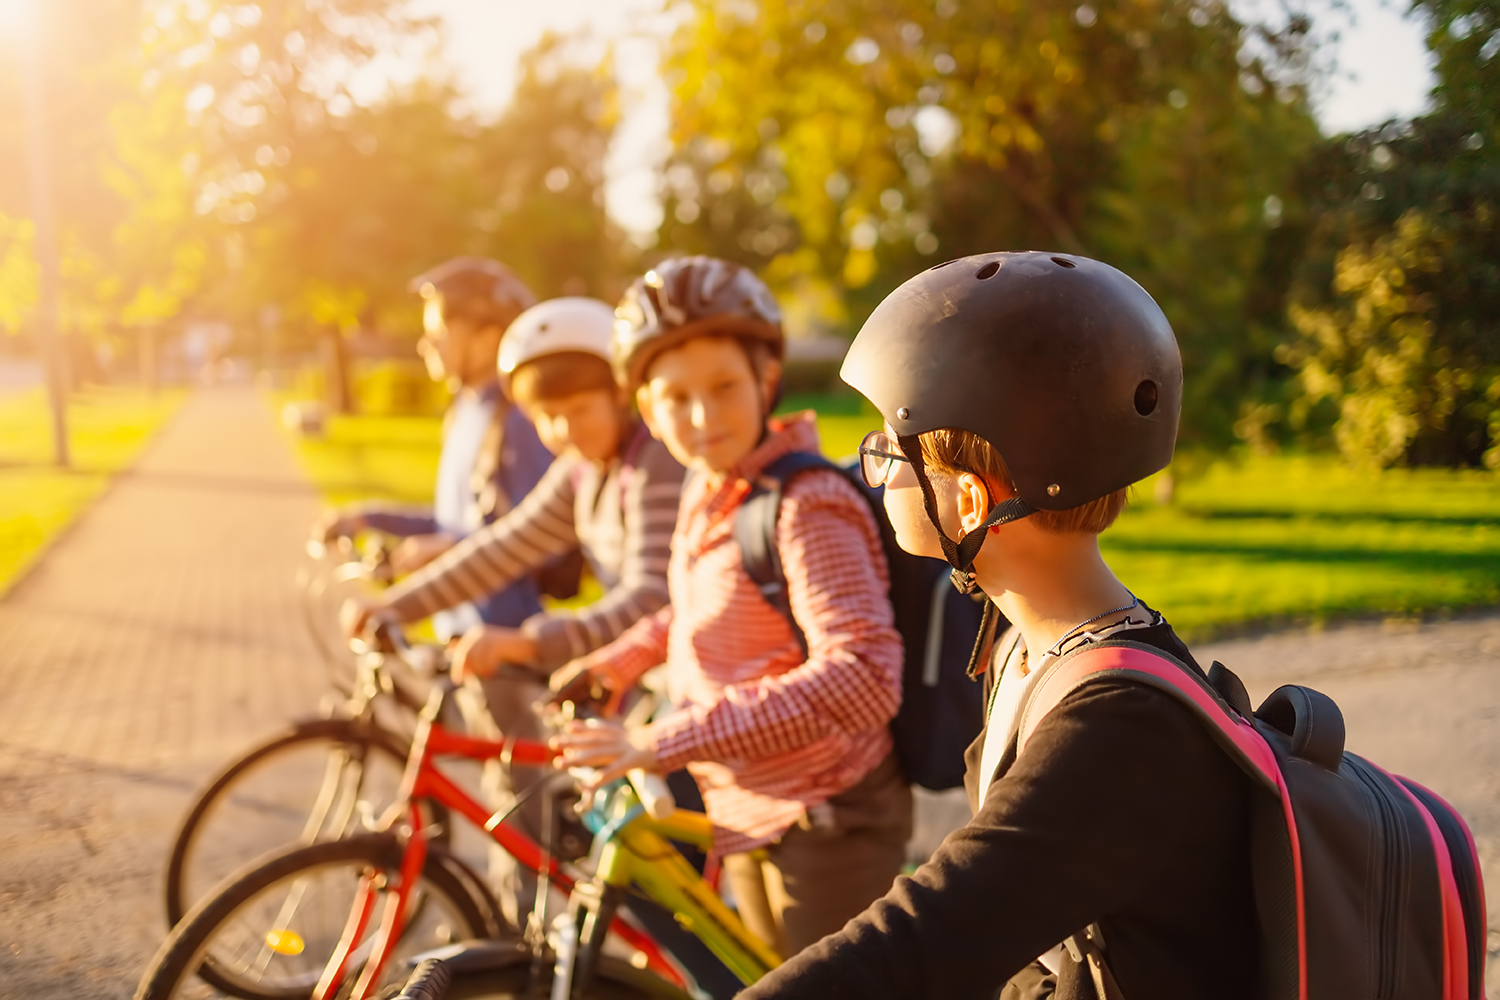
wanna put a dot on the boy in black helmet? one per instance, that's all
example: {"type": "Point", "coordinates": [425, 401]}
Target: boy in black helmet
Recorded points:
{"type": "Point", "coordinates": [1109, 855]}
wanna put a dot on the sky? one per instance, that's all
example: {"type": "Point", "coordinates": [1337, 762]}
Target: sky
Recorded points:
{"type": "Point", "coordinates": [1382, 70]}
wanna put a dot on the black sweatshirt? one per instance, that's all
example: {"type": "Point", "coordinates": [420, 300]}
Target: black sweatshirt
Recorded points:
{"type": "Point", "coordinates": [1122, 811]}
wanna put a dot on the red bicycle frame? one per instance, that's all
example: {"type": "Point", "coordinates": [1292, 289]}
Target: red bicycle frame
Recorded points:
{"type": "Point", "coordinates": [422, 780]}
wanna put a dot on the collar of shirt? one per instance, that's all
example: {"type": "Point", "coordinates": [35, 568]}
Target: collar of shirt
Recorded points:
{"type": "Point", "coordinates": [1018, 679]}
{"type": "Point", "coordinates": [716, 498]}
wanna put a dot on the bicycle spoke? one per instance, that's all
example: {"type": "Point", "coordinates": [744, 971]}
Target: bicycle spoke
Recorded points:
{"type": "Point", "coordinates": [283, 921]}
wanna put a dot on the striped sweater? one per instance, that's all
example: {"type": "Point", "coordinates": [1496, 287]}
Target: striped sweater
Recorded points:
{"type": "Point", "coordinates": [621, 515]}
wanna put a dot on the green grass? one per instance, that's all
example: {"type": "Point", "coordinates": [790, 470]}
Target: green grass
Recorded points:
{"type": "Point", "coordinates": [1301, 540]}
{"type": "Point", "coordinates": [843, 420]}
{"type": "Point", "coordinates": [374, 457]}
{"type": "Point", "coordinates": [107, 429]}
{"type": "Point", "coordinates": [1245, 543]}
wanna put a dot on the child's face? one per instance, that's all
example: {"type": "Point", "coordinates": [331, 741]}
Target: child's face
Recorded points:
{"type": "Point", "coordinates": [587, 422]}
{"type": "Point", "coordinates": [705, 403]}
{"type": "Point", "coordinates": [908, 516]}
{"type": "Point", "coordinates": [455, 347]}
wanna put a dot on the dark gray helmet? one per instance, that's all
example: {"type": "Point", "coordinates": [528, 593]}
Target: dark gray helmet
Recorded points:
{"type": "Point", "coordinates": [1065, 365]}
{"type": "Point", "coordinates": [686, 297]}
{"type": "Point", "coordinates": [483, 281]}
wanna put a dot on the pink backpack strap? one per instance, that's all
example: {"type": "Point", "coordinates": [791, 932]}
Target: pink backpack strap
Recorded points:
{"type": "Point", "coordinates": [1146, 665]}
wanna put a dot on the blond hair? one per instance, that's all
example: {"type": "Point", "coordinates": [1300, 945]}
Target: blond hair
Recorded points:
{"type": "Point", "coordinates": [956, 451]}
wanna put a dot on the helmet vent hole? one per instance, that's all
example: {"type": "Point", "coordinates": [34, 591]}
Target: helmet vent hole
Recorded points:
{"type": "Point", "coordinates": [1145, 397]}
{"type": "Point", "coordinates": [1065, 262]}
{"type": "Point", "coordinates": [988, 270]}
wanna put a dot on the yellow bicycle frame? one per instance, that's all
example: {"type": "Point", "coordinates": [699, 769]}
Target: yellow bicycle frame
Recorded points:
{"type": "Point", "coordinates": [636, 850]}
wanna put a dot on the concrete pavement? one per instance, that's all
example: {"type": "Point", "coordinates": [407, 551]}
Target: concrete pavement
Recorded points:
{"type": "Point", "coordinates": [154, 640]}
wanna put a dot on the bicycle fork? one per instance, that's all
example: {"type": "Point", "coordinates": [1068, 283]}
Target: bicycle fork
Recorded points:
{"type": "Point", "coordinates": [374, 890]}
{"type": "Point", "coordinates": [591, 909]}
{"type": "Point", "coordinates": [373, 885]}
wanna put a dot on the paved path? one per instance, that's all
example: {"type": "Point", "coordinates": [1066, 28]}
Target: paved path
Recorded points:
{"type": "Point", "coordinates": [154, 640]}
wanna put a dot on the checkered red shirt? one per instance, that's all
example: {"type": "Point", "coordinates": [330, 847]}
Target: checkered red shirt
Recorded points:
{"type": "Point", "coordinates": [767, 731]}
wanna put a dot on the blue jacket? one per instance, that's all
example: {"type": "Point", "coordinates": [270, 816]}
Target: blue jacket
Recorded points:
{"type": "Point", "coordinates": [465, 500]}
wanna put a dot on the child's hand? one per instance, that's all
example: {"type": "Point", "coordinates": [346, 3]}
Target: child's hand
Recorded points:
{"type": "Point", "coordinates": [481, 650]}
{"type": "Point", "coordinates": [333, 524]}
{"type": "Point", "coordinates": [605, 745]}
{"type": "Point", "coordinates": [578, 684]}
{"type": "Point", "coordinates": [356, 613]}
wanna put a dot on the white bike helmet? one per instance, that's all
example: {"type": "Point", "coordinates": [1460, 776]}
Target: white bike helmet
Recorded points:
{"type": "Point", "coordinates": [554, 327]}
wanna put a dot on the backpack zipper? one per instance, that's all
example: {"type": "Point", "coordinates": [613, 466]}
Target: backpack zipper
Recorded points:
{"type": "Point", "coordinates": [1392, 889]}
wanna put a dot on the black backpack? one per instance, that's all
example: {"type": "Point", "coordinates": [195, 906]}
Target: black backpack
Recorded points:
{"type": "Point", "coordinates": [1366, 883]}
{"type": "Point", "coordinates": [942, 709]}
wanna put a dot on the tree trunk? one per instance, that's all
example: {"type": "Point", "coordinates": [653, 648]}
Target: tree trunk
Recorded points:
{"type": "Point", "coordinates": [336, 366]}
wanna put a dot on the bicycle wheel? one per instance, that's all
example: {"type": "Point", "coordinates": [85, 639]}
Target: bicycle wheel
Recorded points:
{"type": "Point", "coordinates": [504, 973]}
{"type": "Point", "coordinates": [268, 933]}
{"type": "Point", "coordinates": [312, 782]}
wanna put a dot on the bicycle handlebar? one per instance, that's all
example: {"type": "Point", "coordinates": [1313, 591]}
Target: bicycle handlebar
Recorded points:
{"type": "Point", "coordinates": [651, 788]}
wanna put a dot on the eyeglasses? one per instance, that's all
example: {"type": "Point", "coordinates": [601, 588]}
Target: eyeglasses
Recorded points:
{"type": "Point", "coordinates": [878, 455]}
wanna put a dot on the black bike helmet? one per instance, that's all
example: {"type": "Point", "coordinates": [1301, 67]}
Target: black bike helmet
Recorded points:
{"type": "Point", "coordinates": [686, 297]}
{"type": "Point", "coordinates": [1066, 366]}
{"type": "Point", "coordinates": [476, 284]}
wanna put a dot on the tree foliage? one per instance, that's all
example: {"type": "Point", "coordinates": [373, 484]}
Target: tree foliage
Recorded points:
{"type": "Point", "coordinates": [840, 144]}
{"type": "Point", "coordinates": [233, 159]}
{"type": "Point", "coordinates": [1397, 303]}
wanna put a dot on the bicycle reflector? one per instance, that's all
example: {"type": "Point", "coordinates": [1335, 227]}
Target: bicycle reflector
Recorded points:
{"type": "Point", "coordinates": [284, 942]}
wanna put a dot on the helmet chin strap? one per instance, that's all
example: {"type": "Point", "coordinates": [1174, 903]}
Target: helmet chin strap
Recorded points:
{"type": "Point", "coordinates": [961, 554]}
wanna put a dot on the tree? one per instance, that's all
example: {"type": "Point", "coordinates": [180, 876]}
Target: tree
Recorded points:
{"type": "Point", "coordinates": [543, 167]}
{"type": "Point", "coordinates": [230, 159]}
{"type": "Point", "coordinates": [1412, 381]}
{"type": "Point", "coordinates": [839, 145]}
{"type": "Point", "coordinates": [85, 45]}
{"type": "Point", "coordinates": [1398, 293]}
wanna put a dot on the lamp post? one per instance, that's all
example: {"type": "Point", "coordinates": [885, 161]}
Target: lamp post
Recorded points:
{"type": "Point", "coordinates": [44, 220]}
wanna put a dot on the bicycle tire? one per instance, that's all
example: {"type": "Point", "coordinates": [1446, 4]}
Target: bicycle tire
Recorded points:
{"type": "Point", "coordinates": [613, 980]}
{"type": "Point", "coordinates": [347, 732]}
{"type": "Point", "coordinates": [184, 953]}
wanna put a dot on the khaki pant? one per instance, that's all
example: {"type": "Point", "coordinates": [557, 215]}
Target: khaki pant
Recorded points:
{"type": "Point", "coordinates": [840, 858]}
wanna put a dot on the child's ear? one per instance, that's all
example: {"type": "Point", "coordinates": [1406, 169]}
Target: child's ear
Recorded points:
{"type": "Point", "coordinates": [973, 496]}
{"type": "Point", "coordinates": [643, 404]}
{"type": "Point", "coordinates": [770, 382]}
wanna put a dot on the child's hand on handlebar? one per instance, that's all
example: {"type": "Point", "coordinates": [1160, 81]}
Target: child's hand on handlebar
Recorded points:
{"type": "Point", "coordinates": [357, 613]}
{"type": "Point", "coordinates": [483, 649]}
{"type": "Point", "coordinates": [576, 683]}
{"type": "Point", "coordinates": [604, 745]}
{"type": "Point", "coordinates": [333, 524]}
